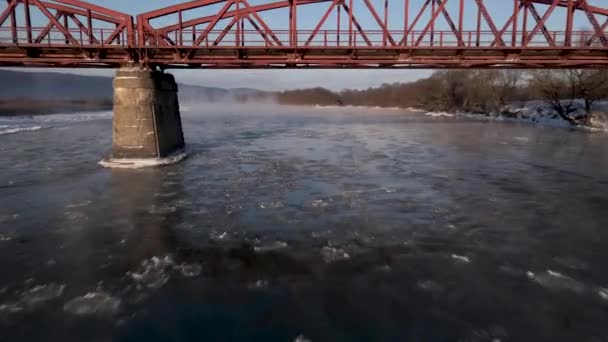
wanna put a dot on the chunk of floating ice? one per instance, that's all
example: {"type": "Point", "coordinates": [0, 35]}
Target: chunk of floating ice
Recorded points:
{"type": "Point", "coordinates": [259, 284]}
{"type": "Point", "coordinates": [77, 205]}
{"type": "Point", "coordinates": [603, 293]}
{"type": "Point", "coordinates": [162, 210]}
{"type": "Point", "coordinates": [144, 162]}
{"type": "Point", "coordinates": [270, 205]}
{"type": "Point", "coordinates": [331, 254]}
{"type": "Point", "coordinates": [10, 308]}
{"type": "Point", "coordinates": [555, 280]}
{"type": "Point", "coordinates": [319, 203]}
{"type": "Point", "coordinates": [93, 303]}
{"type": "Point", "coordinates": [271, 246]}
{"type": "Point", "coordinates": [215, 236]}
{"type": "Point", "coordinates": [42, 293]}
{"type": "Point", "coordinates": [193, 270]}
{"type": "Point", "coordinates": [153, 272]}
{"type": "Point", "coordinates": [301, 338]}
{"type": "Point", "coordinates": [438, 114]}
{"type": "Point", "coordinates": [19, 129]}
{"type": "Point", "coordinates": [5, 238]}
{"type": "Point", "coordinates": [461, 258]}
{"type": "Point", "coordinates": [429, 285]}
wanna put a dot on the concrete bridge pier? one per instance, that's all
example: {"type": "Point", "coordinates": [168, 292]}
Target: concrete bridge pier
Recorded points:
{"type": "Point", "coordinates": [147, 127]}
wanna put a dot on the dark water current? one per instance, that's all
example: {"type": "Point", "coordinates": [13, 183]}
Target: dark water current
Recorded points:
{"type": "Point", "coordinates": [301, 224]}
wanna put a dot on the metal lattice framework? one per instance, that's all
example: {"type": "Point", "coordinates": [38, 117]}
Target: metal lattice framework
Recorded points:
{"type": "Point", "coordinates": [339, 33]}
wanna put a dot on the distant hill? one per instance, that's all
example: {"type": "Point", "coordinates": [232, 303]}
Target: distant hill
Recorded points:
{"type": "Point", "coordinates": [56, 86]}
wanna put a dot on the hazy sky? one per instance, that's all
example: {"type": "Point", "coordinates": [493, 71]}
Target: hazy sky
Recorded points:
{"type": "Point", "coordinates": [307, 18]}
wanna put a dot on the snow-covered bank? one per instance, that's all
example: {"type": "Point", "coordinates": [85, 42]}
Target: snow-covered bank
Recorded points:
{"type": "Point", "coordinates": [537, 113]}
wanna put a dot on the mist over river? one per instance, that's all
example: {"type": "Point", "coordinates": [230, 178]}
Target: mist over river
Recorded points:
{"type": "Point", "coordinates": [307, 224]}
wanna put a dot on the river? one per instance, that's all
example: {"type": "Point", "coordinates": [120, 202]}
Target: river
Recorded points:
{"type": "Point", "coordinates": [305, 224]}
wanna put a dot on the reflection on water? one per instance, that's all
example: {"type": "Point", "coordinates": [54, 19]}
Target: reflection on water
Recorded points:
{"type": "Point", "coordinates": [307, 224]}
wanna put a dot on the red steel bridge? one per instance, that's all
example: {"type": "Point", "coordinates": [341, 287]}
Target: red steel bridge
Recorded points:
{"type": "Point", "coordinates": [309, 34]}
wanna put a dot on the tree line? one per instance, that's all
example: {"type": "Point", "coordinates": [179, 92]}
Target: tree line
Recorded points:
{"type": "Point", "coordinates": [569, 93]}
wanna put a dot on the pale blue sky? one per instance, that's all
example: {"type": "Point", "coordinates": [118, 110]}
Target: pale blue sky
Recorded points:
{"type": "Point", "coordinates": [307, 18]}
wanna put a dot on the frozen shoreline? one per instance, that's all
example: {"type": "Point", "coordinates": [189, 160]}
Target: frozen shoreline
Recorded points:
{"type": "Point", "coordinates": [537, 113]}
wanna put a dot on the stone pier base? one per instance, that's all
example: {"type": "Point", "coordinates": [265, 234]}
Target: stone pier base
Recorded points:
{"type": "Point", "coordinates": [147, 124]}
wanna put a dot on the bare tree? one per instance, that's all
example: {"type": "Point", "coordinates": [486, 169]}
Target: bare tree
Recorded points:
{"type": "Point", "coordinates": [591, 86]}
{"type": "Point", "coordinates": [558, 91]}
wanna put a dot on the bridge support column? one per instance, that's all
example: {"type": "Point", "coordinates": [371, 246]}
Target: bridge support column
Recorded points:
{"type": "Point", "coordinates": [147, 128]}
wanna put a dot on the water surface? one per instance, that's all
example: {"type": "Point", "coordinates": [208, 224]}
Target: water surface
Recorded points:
{"type": "Point", "coordinates": [328, 224]}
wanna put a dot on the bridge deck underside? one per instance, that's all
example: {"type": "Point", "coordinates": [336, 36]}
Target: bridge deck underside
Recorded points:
{"type": "Point", "coordinates": [261, 57]}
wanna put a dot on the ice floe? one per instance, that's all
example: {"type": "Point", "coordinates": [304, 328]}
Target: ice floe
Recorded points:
{"type": "Point", "coordinates": [93, 303]}
{"type": "Point", "coordinates": [273, 246]}
{"type": "Point", "coordinates": [557, 281]}
{"type": "Point", "coordinates": [19, 129]}
{"type": "Point", "coordinates": [135, 163]}
{"type": "Point", "coordinates": [429, 285]}
{"type": "Point", "coordinates": [42, 293]}
{"type": "Point", "coordinates": [461, 258]}
{"type": "Point", "coordinates": [330, 254]}
{"type": "Point", "coordinates": [189, 270]}
{"type": "Point", "coordinates": [153, 273]}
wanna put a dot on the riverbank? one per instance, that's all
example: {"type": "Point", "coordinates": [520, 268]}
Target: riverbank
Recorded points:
{"type": "Point", "coordinates": [537, 113]}
{"type": "Point", "coordinates": [530, 112]}
{"type": "Point", "coordinates": [43, 107]}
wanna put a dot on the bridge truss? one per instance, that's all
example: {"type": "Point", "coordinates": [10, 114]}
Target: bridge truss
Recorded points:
{"type": "Point", "coordinates": [308, 34]}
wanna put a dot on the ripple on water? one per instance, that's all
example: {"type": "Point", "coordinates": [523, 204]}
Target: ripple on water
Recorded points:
{"type": "Point", "coordinates": [93, 303]}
